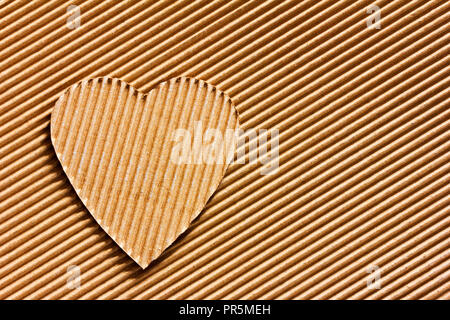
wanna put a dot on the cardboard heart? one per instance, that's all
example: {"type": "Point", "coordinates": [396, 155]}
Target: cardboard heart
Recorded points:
{"type": "Point", "coordinates": [144, 165]}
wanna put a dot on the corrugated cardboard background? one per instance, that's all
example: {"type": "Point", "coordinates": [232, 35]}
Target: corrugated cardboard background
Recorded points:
{"type": "Point", "coordinates": [364, 148]}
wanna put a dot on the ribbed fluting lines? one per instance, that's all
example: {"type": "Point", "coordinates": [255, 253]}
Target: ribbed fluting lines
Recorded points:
{"type": "Point", "coordinates": [116, 146]}
{"type": "Point", "coordinates": [363, 170]}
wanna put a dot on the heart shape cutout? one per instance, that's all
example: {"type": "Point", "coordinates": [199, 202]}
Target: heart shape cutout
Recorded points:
{"type": "Point", "coordinates": [138, 161]}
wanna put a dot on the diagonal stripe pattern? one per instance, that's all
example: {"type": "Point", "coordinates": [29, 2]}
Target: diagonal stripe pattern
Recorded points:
{"type": "Point", "coordinates": [364, 148]}
{"type": "Point", "coordinates": [117, 145]}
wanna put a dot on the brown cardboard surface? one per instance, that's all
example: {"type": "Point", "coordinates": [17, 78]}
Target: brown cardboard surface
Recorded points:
{"type": "Point", "coordinates": [362, 180]}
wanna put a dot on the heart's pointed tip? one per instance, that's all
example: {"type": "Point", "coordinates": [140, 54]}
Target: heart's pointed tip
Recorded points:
{"type": "Point", "coordinates": [138, 259]}
{"type": "Point", "coordinates": [143, 265]}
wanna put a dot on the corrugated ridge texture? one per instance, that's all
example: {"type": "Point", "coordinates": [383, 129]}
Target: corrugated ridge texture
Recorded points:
{"type": "Point", "coordinates": [363, 169]}
{"type": "Point", "coordinates": [122, 152]}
